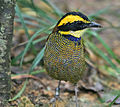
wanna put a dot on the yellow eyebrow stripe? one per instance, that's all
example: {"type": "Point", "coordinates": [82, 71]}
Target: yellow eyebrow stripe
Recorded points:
{"type": "Point", "coordinates": [71, 19]}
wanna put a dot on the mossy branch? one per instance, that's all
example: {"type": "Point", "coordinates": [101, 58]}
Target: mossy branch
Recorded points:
{"type": "Point", "coordinates": [6, 33]}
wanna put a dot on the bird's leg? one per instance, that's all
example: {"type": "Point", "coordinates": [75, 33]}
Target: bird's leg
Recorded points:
{"type": "Point", "coordinates": [57, 90]}
{"type": "Point", "coordinates": [57, 93]}
{"type": "Point", "coordinates": [76, 90]}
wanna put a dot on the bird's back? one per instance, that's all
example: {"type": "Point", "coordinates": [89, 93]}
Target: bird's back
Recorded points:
{"type": "Point", "coordinates": [64, 59]}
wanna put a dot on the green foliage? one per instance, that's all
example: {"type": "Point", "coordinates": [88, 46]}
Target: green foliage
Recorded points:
{"type": "Point", "coordinates": [20, 92]}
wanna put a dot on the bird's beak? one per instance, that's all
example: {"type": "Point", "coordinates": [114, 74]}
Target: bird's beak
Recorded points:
{"type": "Point", "coordinates": [93, 24]}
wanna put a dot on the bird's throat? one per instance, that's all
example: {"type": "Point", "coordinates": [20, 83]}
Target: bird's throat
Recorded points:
{"type": "Point", "coordinates": [72, 35]}
{"type": "Point", "coordinates": [76, 34]}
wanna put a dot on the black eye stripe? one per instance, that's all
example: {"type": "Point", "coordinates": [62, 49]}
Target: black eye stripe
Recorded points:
{"type": "Point", "coordinates": [77, 25]}
{"type": "Point", "coordinates": [75, 22]}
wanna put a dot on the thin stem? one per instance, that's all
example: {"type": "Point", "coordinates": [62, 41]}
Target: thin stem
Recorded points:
{"type": "Point", "coordinates": [114, 100]}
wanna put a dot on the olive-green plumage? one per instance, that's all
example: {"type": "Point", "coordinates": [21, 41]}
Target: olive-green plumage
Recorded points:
{"type": "Point", "coordinates": [64, 59]}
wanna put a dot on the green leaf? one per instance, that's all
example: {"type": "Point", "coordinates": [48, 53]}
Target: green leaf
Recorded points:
{"type": "Point", "coordinates": [16, 58]}
{"type": "Point", "coordinates": [54, 7]}
{"type": "Point", "coordinates": [35, 18]}
{"type": "Point", "coordinates": [20, 92]}
{"type": "Point", "coordinates": [22, 20]}
{"type": "Point", "coordinates": [98, 13]}
{"type": "Point", "coordinates": [41, 12]}
{"type": "Point", "coordinates": [40, 39]}
{"type": "Point", "coordinates": [99, 52]}
{"type": "Point", "coordinates": [37, 72]}
{"type": "Point", "coordinates": [27, 22]}
{"type": "Point", "coordinates": [109, 50]}
{"type": "Point", "coordinates": [110, 105]}
{"type": "Point", "coordinates": [109, 70]}
{"type": "Point", "coordinates": [30, 41]}
{"type": "Point", "coordinates": [32, 73]}
{"type": "Point", "coordinates": [24, 27]}
{"type": "Point", "coordinates": [37, 59]}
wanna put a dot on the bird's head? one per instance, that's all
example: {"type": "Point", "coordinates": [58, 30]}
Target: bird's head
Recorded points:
{"type": "Point", "coordinates": [74, 23]}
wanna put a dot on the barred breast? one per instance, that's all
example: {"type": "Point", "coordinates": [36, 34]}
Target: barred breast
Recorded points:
{"type": "Point", "coordinates": [64, 59]}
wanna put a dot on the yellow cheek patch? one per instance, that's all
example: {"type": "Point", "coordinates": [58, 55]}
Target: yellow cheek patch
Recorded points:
{"type": "Point", "coordinates": [76, 34]}
{"type": "Point", "coordinates": [71, 19]}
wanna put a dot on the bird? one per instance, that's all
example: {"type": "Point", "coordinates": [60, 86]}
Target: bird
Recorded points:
{"type": "Point", "coordinates": [64, 56]}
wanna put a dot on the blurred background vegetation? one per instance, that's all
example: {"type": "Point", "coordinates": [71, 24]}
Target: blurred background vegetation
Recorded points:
{"type": "Point", "coordinates": [35, 20]}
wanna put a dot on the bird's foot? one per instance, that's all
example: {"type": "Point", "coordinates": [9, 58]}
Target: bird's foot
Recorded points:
{"type": "Point", "coordinates": [57, 102]}
{"type": "Point", "coordinates": [56, 98]}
